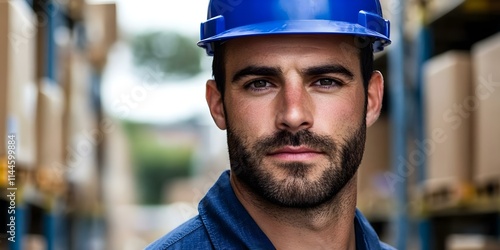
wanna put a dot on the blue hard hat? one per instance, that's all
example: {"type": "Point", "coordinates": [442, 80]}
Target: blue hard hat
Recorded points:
{"type": "Point", "coordinates": [229, 19]}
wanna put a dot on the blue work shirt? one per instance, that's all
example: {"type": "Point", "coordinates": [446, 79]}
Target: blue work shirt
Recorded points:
{"type": "Point", "coordinates": [223, 223]}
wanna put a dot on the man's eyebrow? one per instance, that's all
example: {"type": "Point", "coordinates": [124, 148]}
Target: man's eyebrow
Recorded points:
{"type": "Point", "coordinates": [256, 71]}
{"type": "Point", "coordinates": [328, 69]}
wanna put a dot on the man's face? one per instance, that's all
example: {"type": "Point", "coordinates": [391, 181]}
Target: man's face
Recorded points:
{"type": "Point", "coordinates": [295, 114]}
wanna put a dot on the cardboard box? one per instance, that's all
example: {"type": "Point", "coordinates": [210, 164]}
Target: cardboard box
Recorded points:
{"type": "Point", "coordinates": [486, 63]}
{"type": "Point", "coordinates": [75, 9]}
{"type": "Point", "coordinates": [78, 91]}
{"type": "Point", "coordinates": [4, 75]}
{"type": "Point", "coordinates": [440, 7]}
{"type": "Point", "coordinates": [17, 79]}
{"type": "Point", "coordinates": [50, 108]}
{"type": "Point", "coordinates": [101, 23]}
{"type": "Point", "coordinates": [50, 123]}
{"type": "Point", "coordinates": [374, 192]}
{"type": "Point", "coordinates": [448, 119]}
{"type": "Point", "coordinates": [83, 131]}
{"type": "Point", "coordinates": [471, 242]}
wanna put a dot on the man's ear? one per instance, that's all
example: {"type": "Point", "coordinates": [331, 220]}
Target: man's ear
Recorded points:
{"type": "Point", "coordinates": [215, 104]}
{"type": "Point", "coordinates": [375, 94]}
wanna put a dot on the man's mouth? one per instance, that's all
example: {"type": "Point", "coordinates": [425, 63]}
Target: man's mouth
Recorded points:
{"type": "Point", "coordinates": [293, 153]}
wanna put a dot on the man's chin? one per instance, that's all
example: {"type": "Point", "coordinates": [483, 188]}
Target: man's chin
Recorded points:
{"type": "Point", "coordinates": [291, 186]}
{"type": "Point", "coordinates": [299, 170]}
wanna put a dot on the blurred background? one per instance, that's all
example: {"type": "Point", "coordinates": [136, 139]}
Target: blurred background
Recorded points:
{"type": "Point", "coordinates": [115, 146]}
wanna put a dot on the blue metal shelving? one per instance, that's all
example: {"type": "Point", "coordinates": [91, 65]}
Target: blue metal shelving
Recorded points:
{"type": "Point", "coordinates": [398, 115]}
{"type": "Point", "coordinates": [423, 52]}
{"type": "Point", "coordinates": [21, 224]}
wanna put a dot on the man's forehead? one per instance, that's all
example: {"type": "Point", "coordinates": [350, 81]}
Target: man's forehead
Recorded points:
{"type": "Point", "coordinates": [337, 46]}
{"type": "Point", "coordinates": [265, 50]}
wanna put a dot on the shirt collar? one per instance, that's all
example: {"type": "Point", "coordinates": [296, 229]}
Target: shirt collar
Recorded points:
{"type": "Point", "coordinates": [227, 222]}
{"type": "Point", "coordinates": [229, 225]}
{"type": "Point", "coordinates": [366, 237]}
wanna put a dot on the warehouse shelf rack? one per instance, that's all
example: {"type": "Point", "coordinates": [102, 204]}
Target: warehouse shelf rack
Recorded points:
{"type": "Point", "coordinates": [39, 212]}
{"type": "Point", "coordinates": [457, 25]}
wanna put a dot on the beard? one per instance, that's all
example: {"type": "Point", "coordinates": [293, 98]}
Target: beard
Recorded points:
{"type": "Point", "coordinates": [296, 190]}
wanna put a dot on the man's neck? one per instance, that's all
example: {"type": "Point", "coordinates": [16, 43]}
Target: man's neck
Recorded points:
{"type": "Point", "coordinates": [329, 226]}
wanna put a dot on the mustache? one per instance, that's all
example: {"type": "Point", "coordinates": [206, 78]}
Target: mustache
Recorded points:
{"type": "Point", "coordinates": [306, 138]}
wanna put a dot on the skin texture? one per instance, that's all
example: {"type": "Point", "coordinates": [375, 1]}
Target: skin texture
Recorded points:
{"type": "Point", "coordinates": [296, 114]}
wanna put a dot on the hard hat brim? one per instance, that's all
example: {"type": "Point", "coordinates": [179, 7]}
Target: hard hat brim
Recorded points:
{"type": "Point", "coordinates": [297, 27]}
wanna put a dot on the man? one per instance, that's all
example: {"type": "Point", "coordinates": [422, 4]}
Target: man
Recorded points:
{"type": "Point", "coordinates": [295, 89]}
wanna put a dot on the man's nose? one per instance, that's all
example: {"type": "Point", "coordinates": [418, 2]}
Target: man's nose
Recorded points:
{"type": "Point", "coordinates": [295, 108]}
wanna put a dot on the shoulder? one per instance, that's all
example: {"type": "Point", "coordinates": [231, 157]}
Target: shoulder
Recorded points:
{"type": "Point", "coordinates": [189, 235]}
{"type": "Point", "coordinates": [366, 231]}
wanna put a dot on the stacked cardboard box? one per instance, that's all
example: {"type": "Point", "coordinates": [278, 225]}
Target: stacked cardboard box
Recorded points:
{"type": "Point", "coordinates": [486, 104]}
{"type": "Point", "coordinates": [471, 242]}
{"type": "Point", "coordinates": [84, 135]}
{"type": "Point", "coordinates": [101, 26]}
{"type": "Point", "coordinates": [49, 137]}
{"type": "Point", "coordinates": [17, 79]}
{"type": "Point", "coordinates": [447, 84]}
{"type": "Point", "coordinates": [375, 192]}
{"type": "Point", "coordinates": [439, 7]}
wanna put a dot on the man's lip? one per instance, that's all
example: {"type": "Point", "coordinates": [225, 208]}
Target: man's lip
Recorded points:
{"type": "Point", "coordinates": [295, 150]}
{"type": "Point", "coordinates": [300, 153]}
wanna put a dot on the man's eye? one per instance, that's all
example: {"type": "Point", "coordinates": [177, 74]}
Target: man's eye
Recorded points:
{"type": "Point", "coordinates": [259, 84]}
{"type": "Point", "coordinates": [326, 82]}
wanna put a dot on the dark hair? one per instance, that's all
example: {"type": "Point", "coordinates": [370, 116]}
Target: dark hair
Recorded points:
{"type": "Point", "coordinates": [366, 63]}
